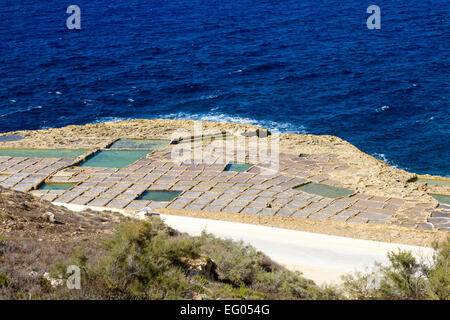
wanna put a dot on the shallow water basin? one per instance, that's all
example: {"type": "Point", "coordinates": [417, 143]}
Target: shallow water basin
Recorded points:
{"type": "Point", "coordinates": [159, 195]}
{"type": "Point", "coordinates": [43, 153]}
{"type": "Point", "coordinates": [149, 144]}
{"type": "Point", "coordinates": [57, 186]}
{"type": "Point", "coordinates": [324, 190]}
{"type": "Point", "coordinates": [441, 198]}
{"type": "Point", "coordinates": [114, 158]}
{"type": "Point", "coordinates": [436, 182]}
{"type": "Point", "coordinates": [238, 167]}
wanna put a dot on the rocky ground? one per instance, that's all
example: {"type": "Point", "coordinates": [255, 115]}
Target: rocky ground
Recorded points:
{"type": "Point", "coordinates": [93, 135]}
{"type": "Point", "coordinates": [24, 217]}
{"type": "Point", "coordinates": [34, 235]}
{"type": "Point", "coordinates": [37, 236]}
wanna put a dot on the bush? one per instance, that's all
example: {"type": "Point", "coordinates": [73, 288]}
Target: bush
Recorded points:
{"type": "Point", "coordinates": [439, 276]}
{"type": "Point", "coordinates": [143, 262]}
{"type": "Point", "coordinates": [243, 266]}
{"type": "Point", "coordinates": [149, 260]}
{"type": "Point", "coordinates": [404, 278]}
{"type": "Point", "coordinates": [4, 281]}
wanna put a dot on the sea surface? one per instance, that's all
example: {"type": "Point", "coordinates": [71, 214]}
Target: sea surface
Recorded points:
{"type": "Point", "coordinates": [295, 66]}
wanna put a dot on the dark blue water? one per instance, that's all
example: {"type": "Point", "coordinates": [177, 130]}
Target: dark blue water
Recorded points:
{"type": "Point", "coordinates": [298, 66]}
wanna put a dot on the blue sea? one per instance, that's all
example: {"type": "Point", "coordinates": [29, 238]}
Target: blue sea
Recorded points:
{"type": "Point", "coordinates": [293, 66]}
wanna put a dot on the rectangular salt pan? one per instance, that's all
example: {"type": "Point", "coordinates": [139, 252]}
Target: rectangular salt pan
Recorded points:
{"type": "Point", "coordinates": [325, 190]}
{"type": "Point", "coordinates": [57, 186]}
{"type": "Point", "coordinates": [43, 153]}
{"type": "Point", "coordinates": [148, 144]}
{"type": "Point", "coordinates": [114, 158]}
{"type": "Point", "coordinates": [441, 198]}
{"type": "Point", "coordinates": [436, 182]}
{"type": "Point", "coordinates": [239, 167]}
{"type": "Point", "coordinates": [159, 195]}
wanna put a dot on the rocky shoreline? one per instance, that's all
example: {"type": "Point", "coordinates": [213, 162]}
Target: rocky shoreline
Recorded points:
{"type": "Point", "coordinates": [329, 159]}
{"type": "Point", "coordinates": [365, 172]}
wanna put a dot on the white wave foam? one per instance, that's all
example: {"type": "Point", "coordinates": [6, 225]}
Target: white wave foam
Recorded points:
{"type": "Point", "coordinates": [211, 96]}
{"type": "Point", "coordinates": [382, 157]}
{"type": "Point", "coordinates": [201, 98]}
{"type": "Point", "coordinates": [30, 108]}
{"type": "Point", "coordinates": [283, 127]}
{"type": "Point", "coordinates": [87, 102]}
{"type": "Point", "coordinates": [426, 120]}
{"type": "Point", "coordinates": [383, 108]}
{"type": "Point", "coordinates": [110, 120]}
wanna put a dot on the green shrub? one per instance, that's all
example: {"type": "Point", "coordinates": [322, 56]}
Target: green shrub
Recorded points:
{"type": "Point", "coordinates": [144, 261]}
{"type": "Point", "coordinates": [4, 281]}
{"type": "Point", "coordinates": [404, 278]}
{"type": "Point", "coordinates": [243, 266]}
{"type": "Point", "coordinates": [237, 263]}
{"type": "Point", "coordinates": [149, 260]}
{"type": "Point", "coordinates": [439, 276]}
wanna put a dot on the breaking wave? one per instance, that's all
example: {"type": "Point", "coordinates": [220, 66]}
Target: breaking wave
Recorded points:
{"type": "Point", "coordinates": [282, 127]}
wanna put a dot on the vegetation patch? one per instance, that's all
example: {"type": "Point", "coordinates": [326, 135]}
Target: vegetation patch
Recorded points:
{"type": "Point", "coordinates": [149, 260]}
{"type": "Point", "coordinates": [405, 278]}
{"type": "Point", "coordinates": [124, 258]}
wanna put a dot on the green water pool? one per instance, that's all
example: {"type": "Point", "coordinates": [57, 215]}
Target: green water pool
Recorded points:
{"type": "Point", "coordinates": [157, 195]}
{"type": "Point", "coordinates": [436, 182]}
{"type": "Point", "coordinates": [441, 198]}
{"type": "Point", "coordinates": [57, 186]}
{"type": "Point", "coordinates": [43, 153]}
{"type": "Point", "coordinates": [150, 144]}
{"type": "Point", "coordinates": [324, 190]}
{"type": "Point", "coordinates": [114, 158]}
{"type": "Point", "coordinates": [239, 167]}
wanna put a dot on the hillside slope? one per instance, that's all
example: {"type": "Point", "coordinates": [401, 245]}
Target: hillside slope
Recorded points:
{"type": "Point", "coordinates": [115, 254]}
